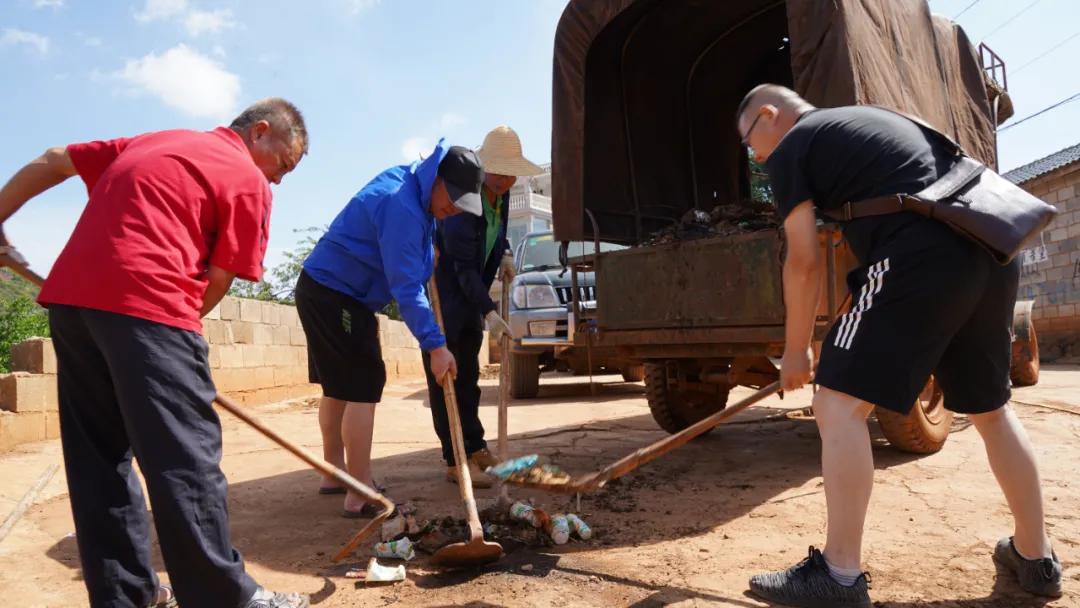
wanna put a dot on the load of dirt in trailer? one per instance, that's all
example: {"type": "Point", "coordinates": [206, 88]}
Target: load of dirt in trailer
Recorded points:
{"type": "Point", "coordinates": [724, 220]}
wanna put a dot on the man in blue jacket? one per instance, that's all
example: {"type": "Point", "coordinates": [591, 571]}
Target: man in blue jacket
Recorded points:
{"type": "Point", "coordinates": [378, 249]}
{"type": "Point", "coordinates": [472, 250]}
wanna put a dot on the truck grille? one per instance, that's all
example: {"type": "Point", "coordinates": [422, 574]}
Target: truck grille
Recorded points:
{"type": "Point", "coordinates": [585, 293]}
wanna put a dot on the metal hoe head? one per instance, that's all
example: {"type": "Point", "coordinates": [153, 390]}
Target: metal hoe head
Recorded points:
{"type": "Point", "coordinates": [476, 552]}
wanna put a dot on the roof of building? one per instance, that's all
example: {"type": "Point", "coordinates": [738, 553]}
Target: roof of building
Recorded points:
{"type": "Point", "coordinates": [1045, 165]}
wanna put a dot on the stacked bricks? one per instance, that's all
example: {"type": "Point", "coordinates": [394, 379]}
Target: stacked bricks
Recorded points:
{"type": "Point", "coordinates": [258, 354]}
{"type": "Point", "coordinates": [1052, 275]}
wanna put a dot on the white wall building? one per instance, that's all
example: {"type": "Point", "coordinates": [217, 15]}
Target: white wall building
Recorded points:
{"type": "Point", "coordinates": [530, 206]}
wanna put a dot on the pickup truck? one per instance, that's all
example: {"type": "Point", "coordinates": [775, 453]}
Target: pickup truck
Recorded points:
{"type": "Point", "coordinates": [541, 319]}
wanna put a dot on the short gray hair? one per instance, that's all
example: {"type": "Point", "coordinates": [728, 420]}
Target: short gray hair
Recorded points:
{"type": "Point", "coordinates": [284, 118]}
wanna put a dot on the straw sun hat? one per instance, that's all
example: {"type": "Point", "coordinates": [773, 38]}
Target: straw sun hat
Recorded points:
{"type": "Point", "coordinates": [501, 154]}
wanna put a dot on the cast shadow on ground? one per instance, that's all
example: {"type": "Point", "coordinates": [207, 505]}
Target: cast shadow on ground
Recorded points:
{"type": "Point", "coordinates": [281, 523]}
{"type": "Point", "coordinates": [607, 389]}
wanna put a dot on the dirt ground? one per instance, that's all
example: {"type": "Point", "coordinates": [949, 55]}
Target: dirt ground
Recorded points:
{"type": "Point", "coordinates": [686, 530]}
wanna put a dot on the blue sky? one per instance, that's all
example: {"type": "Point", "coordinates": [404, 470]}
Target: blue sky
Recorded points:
{"type": "Point", "coordinates": [378, 80]}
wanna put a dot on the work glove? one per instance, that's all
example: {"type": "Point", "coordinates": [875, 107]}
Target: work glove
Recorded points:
{"type": "Point", "coordinates": [507, 267]}
{"type": "Point", "coordinates": [497, 326]}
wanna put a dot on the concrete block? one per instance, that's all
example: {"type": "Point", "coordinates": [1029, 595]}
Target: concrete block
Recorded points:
{"type": "Point", "coordinates": [1058, 234]}
{"type": "Point", "coordinates": [1073, 231]}
{"type": "Point", "coordinates": [272, 313]}
{"type": "Point", "coordinates": [232, 380]}
{"type": "Point", "coordinates": [229, 308]}
{"type": "Point", "coordinates": [255, 355]}
{"type": "Point", "coordinates": [213, 357]}
{"type": "Point", "coordinates": [288, 316]}
{"type": "Point", "coordinates": [231, 356]}
{"type": "Point", "coordinates": [250, 310]}
{"type": "Point", "coordinates": [282, 335]}
{"type": "Point", "coordinates": [214, 314]}
{"type": "Point", "coordinates": [297, 337]}
{"type": "Point", "coordinates": [35, 355]}
{"type": "Point", "coordinates": [52, 425]}
{"type": "Point", "coordinates": [21, 428]}
{"type": "Point", "coordinates": [1067, 310]}
{"type": "Point", "coordinates": [218, 332]}
{"type": "Point", "coordinates": [264, 377]}
{"type": "Point", "coordinates": [281, 356]}
{"type": "Point", "coordinates": [23, 392]}
{"type": "Point", "coordinates": [246, 332]}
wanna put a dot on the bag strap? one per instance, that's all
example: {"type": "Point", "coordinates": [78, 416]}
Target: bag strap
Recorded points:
{"type": "Point", "coordinates": [879, 205]}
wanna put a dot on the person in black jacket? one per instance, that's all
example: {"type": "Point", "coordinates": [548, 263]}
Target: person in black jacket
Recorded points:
{"type": "Point", "coordinates": [472, 250]}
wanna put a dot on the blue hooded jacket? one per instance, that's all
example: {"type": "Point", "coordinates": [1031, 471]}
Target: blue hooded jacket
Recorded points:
{"type": "Point", "coordinates": [379, 248]}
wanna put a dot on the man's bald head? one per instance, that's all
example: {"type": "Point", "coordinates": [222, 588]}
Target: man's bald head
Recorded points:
{"type": "Point", "coordinates": [766, 114]}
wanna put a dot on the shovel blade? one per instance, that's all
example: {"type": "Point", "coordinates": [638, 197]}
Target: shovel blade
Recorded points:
{"type": "Point", "coordinates": [467, 555]}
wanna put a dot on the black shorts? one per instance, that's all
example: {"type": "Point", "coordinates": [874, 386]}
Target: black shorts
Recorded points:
{"type": "Point", "coordinates": [927, 302]}
{"type": "Point", "coordinates": [344, 354]}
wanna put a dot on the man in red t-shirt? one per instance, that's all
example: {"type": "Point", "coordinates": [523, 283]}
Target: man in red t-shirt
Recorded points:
{"type": "Point", "coordinates": [172, 218]}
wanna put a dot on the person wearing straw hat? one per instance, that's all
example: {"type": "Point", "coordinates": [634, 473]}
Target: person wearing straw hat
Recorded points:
{"type": "Point", "coordinates": [473, 249]}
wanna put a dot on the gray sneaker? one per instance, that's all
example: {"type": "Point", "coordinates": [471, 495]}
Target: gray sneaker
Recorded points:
{"type": "Point", "coordinates": [1036, 576]}
{"type": "Point", "coordinates": [279, 600]}
{"type": "Point", "coordinates": [808, 584]}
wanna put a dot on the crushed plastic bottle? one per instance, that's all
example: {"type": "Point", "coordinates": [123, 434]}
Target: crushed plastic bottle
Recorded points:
{"type": "Point", "coordinates": [558, 528]}
{"type": "Point", "coordinates": [509, 467]}
{"type": "Point", "coordinates": [579, 527]}
{"type": "Point", "coordinates": [396, 549]}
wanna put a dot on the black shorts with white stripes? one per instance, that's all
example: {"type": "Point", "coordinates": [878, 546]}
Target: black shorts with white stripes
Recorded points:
{"type": "Point", "coordinates": [927, 301]}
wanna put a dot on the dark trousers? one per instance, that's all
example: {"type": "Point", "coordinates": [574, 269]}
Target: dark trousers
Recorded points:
{"type": "Point", "coordinates": [465, 347]}
{"type": "Point", "coordinates": [130, 387]}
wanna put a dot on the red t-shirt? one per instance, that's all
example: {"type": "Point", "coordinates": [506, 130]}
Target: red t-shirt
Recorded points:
{"type": "Point", "coordinates": [163, 206]}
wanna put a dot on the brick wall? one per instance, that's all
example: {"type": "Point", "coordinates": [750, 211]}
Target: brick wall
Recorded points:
{"type": "Point", "coordinates": [1051, 266]}
{"type": "Point", "coordinates": [258, 354]}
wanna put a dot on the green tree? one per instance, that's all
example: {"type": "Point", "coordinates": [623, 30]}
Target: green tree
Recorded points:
{"type": "Point", "coordinates": [760, 189]}
{"type": "Point", "coordinates": [20, 319]}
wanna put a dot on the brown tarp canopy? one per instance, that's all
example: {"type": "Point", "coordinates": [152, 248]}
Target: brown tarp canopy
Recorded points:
{"type": "Point", "coordinates": [644, 94]}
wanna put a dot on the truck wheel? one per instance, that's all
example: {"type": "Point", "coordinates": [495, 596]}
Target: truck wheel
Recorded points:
{"type": "Point", "coordinates": [1024, 370]}
{"type": "Point", "coordinates": [674, 410]}
{"type": "Point", "coordinates": [925, 429]}
{"type": "Point", "coordinates": [633, 373]}
{"type": "Point", "coordinates": [524, 376]}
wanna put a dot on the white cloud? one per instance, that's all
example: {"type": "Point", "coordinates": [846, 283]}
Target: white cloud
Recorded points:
{"type": "Point", "coordinates": [161, 9]}
{"type": "Point", "coordinates": [355, 7]}
{"type": "Point", "coordinates": [416, 147]}
{"type": "Point", "coordinates": [185, 80]}
{"type": "Point", "coordinates": [219, 50]}
{"type": "Point", "coordinates": [53, 4]}
{"type": "Point", "coordinates": [201, 22]}
{"type": "Point", "coordinates": [13, 37]}
{"type": "Point", "coordinates": [451, 120]}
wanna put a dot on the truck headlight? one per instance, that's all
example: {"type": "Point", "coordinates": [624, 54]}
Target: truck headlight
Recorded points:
{"type": "Point", "coordinates": [534, 296]}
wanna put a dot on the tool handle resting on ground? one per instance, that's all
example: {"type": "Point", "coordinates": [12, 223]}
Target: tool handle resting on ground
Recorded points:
{"type": "Point", "coordinates": [476, 551]}
{"type": "Point", "coordinates": [649, 453]}
{"type": "Point", "coordinates": [316, 463]}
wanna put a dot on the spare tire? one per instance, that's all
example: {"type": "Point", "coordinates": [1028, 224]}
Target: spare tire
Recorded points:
{"type": "Point", "coordinates": [924, 429]}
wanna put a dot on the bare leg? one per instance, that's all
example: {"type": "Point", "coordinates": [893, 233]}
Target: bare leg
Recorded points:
{"type": "Point", "coordinates": [357, 429]}
{"type": "Point", "coordinates": [848, 468]}
{"type": "Point", "coordinates": [330, 414]}
{"type": "Point", "coordinates": [1013, 462]}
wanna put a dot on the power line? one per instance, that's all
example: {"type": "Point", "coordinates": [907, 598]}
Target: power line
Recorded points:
{"type": "Point", "coordinates": [1047, 52]}
{"type": "Point", "coordinates": [966, 9]}
{"type": "Point", "coordinates": [1011, 19]}
{"type": "Point", "coordinates": [1042, 111]}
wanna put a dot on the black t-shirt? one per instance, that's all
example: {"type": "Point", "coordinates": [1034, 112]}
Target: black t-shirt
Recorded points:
{"type": "Point", "coordinates": [836, 155]}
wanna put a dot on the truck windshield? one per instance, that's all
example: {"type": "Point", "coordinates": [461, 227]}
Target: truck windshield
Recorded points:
{"type": "Point", "coordinates": [541, 252]}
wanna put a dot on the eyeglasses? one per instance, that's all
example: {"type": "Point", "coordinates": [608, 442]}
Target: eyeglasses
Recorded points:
{"type": "Point", "coordinates": [750, 130]}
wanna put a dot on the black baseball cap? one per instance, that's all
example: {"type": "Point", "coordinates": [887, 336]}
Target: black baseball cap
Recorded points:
{"type": "Point", "coordinates": [463, 175]}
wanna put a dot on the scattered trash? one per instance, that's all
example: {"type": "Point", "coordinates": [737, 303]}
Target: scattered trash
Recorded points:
{"type": "Point", "coordinates": [354, 573]}
{"type": "Point", "coordinates": [524, 512]}
{"type": "Point", "coordinates": [527, 568]}
{"type": "Point", "coordinates": [434, 540]}
{"type": "Point", "coordinates": [558, 528]}
{"type": "Point", "coordinates": [413, 528]}
{"type": "Point", "coordinates": [579, 527]}
{"type": "Point", "coordinates": [377, 573]}
{"type": "Point", "coordinates": [393, 528]}
{"type": "Point", "coordinates": [723, 220]}
{"type": "Point", "coordinates": [506, 468]}
{"type": "Point", "coordinates": [528, 470]}
{"type": "Point", "coordinates": [396, 549]}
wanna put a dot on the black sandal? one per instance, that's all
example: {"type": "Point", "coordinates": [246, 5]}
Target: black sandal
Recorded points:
{"type": "Point", "coordinates": [368, 511]}
{"type": "Point", "coordinates": [337, 490]}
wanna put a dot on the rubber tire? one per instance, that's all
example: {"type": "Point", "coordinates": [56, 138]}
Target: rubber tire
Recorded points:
{"type": "Point", "coordinates": [524, 376]}
{"type": "Point", "coordinates": [669, 409]}
{"type": "Point", "coordinates": [925, 429]}
{"type": "Point", "coordinates": [1024, 370]}
{"type": "Point", "coordinates": [633, 373]}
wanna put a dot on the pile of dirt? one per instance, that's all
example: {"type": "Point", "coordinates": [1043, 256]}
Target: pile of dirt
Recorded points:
{"type": "Point", "coordinates": [724, 220]}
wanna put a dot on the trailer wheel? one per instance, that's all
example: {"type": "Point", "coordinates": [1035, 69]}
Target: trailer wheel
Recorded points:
{"type": "Point", "coordinates": [925, 429]}
{"type": "Point", "coordinates": [633, 373]}
{"type": "Point", "coordinates": [524, 376]}
{"type": "Point", "coordinates": [674, 410]}
{"type": "Point", "coordinates": [1024, 370]}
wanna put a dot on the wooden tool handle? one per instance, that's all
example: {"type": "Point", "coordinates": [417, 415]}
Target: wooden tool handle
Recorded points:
{"type": "Point", "coordinates": [461, 461]}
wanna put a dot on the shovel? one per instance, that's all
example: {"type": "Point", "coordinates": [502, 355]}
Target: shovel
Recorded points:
{"type": "Point", "coordinates": [504, 388]}
{"type": "Point", "coordinates": [236, 410]}
{"type": "Point", "coordinates": [477, 551]}
{"type": "Point", "coordinates": [649, 453]}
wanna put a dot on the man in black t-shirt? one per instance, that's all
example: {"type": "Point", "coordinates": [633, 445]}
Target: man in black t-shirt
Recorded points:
{"type": "Point", "coordinates": [925, 301]}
